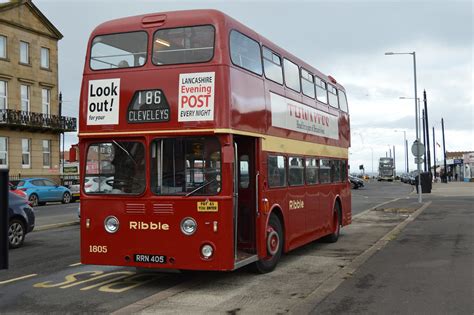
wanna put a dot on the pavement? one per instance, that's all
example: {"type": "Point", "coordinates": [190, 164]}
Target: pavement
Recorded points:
{"type": "Point", "coordinates": [398, 257]}
{"type": "Point", "coordinates": [428, 268]}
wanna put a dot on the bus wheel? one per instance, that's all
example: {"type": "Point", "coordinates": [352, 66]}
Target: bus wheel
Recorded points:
{"type": "Point", "coordinates": [335, 226]}
{"type": "Point", "coordinates": [274, 246]}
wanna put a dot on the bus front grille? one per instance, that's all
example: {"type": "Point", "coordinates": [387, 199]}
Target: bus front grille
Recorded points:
{"type": "Point", "coordinates": [163, 208]}
{"type": "Point", "coordinates": [135, 208]}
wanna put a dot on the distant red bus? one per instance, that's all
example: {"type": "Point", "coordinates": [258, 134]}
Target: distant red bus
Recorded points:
{"type": "Point", "coordinates": [205, 146]}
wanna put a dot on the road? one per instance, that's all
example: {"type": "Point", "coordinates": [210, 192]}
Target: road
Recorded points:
{"type": "Point", "coordinates": [45, 274]}
{"type": "Point", "coordinates": [374, 193]}
{"type": "Point", "coordinates": [56, 213]}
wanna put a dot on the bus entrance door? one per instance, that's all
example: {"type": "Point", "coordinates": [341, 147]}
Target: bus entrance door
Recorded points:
{"type": "Point", "coordinates": [246, 197]}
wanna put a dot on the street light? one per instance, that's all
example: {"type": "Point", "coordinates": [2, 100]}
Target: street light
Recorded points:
{"type": "Point", "coordinates": [418, 108]}
{"type": "Point", "coordinates": [405, 144]}
{"type": "Point", "coordinates": [416, 116]}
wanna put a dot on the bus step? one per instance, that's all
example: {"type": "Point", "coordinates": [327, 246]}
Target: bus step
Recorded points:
{"type": "Point", "coordinates": [244, 258]}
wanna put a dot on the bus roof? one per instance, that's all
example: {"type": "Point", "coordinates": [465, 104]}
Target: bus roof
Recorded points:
{"type": "Point", "coordinates": [199, 17]}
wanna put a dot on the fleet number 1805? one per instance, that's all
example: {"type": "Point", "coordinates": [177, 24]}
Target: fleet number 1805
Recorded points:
{"type": "Point", "coordinates": [102, 249]}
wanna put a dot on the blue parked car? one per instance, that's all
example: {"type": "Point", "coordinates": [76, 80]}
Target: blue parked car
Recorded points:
{"type": "Point", "coordinates": [41, 190]}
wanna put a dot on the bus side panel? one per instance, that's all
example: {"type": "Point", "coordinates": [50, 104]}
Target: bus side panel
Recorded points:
{"type": "Point", "coordinates": [247, 101]}
{"type": "Point", "coordinates": [346, 204]}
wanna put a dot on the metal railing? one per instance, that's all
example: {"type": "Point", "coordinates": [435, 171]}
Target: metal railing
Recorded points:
{"type": "Point", "coordinates": [31, 120]}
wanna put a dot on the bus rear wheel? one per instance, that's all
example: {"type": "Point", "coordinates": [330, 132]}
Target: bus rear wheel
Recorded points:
{"type": "Point", "coordinates": [336, 225]}
{"type": "Point", "coordinates": [274, 246]}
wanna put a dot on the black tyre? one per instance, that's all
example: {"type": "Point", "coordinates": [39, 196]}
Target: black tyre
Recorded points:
{"type": "Point", "coordinates": [66, 197]}
{"type": "Point", "coordinates": [336, 225]}
{"type": "Point", "coordinates": [274, 246]}
{"type": "Point", "coordinates": [34, 200]}
{"type": "Point", "coordinates": [16, 233]}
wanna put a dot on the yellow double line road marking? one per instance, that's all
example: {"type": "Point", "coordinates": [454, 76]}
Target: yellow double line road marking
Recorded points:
{"type": "Point", "coordinates": [19, 278]}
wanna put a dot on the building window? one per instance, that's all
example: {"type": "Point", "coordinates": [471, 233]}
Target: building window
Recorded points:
{"type": "Point", "coordinates": [292, 75]}
{"type": "Point", "coordinates": [3, 47]}
{"type": "Point", "coordinates": [25, 98]}
{"type": "Point", "coordinates": [25, 153]}
{"type": "Point", "coordinates": [46, 101]}
{"type": "Point", "coordinates": [46, 153]}
{"type": "Point", "coordinates": [245, 52]}
{"type": "Point", "coordinates": [3, 95]}
{"type": "Point", "coordinates": [24, 52]}
{"type": "Point", "coordinates": [3, 152]}
{"type": "Point", "coordinates": [272, 66]}
{"type": "Point", "coordinates": [44, 58]}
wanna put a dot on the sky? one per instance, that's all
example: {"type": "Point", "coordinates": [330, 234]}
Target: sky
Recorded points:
{"type": "Point", "coordinates": [343, 38]}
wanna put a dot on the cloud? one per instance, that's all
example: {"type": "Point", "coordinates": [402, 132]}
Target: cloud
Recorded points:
{"type": "Point", "coordinates": [346, 39]}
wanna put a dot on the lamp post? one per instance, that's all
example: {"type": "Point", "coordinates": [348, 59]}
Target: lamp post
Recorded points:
{"type": "Point", "coordinates": [406, 148]}
{"type": "Point", "coordinates": [416, 116]}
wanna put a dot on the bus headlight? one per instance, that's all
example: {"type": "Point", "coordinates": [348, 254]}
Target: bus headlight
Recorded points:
{"type": "Point", "coordinates": [111, 224]}
{"type": "Point", "coordinates": [188, 226]}
{"type": "Point", "coordinates": [207, 251]}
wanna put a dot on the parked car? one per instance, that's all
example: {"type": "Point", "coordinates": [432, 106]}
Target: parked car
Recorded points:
{"type": "Point", "coordinates": [75, 189]}
{"type": "Point", "coordinates": [98, 184]}
{"type": "Point", "coordinates": [21, 219]}
{"type": "Point", "coordinates": [412, 177]}
{"type": "Point", "coordinates": [91, 184]}
{"type": "Point", "coordinates": [42, 190]}
{"type": "Point", "coordinates": [16, 191]}
{"type": "Point", "coordinates": [405, 178]}
{"type": "Point", "coordinates": [356, 182]}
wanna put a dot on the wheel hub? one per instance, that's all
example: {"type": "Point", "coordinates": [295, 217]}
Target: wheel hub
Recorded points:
{"type": "Point", "coordinates": [273, 241]}
{"type": "Point", "coordinates": [15, 233]}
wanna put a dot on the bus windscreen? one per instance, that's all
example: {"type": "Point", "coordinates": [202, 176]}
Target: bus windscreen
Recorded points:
{"type": "Point", "coordinates": [124, 50]}
{"type": "Point", "coordinates": [186, 166]}
{"type": "Point", "coordinates": [183, 45]}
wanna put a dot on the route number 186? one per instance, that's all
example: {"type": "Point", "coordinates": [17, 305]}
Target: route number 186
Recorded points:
{"type": "Point", "coordinates": [149, 97]}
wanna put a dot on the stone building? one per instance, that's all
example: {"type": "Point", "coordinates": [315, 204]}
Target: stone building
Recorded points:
{"type": "Point", "coordinates": [30, 112]}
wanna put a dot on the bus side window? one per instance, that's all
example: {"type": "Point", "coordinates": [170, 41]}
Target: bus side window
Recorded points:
{"type": "Point", "coordinates": [245, 52]}
{"type": "Point", "coordinates": [325, 171]}
{"type": "Point", "coordinates": [296, 171]}
{"type": "Point", "coordinates": [276, 171]}
{"type": "Point", "coordinates": [342, 101]}
{"type": "Point", "coordinates": [332, 96]}
{"type": "Point", "coordinates": [311, 171]}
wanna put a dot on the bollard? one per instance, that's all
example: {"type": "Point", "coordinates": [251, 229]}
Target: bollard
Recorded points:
{"type": "Point", "coordinates": [4, 219]}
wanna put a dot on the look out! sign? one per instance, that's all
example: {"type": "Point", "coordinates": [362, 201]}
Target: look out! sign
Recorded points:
{"type": "Point", "coordinates": [196, 96]}
{"type": "Point", "coordinates": [103, 102]}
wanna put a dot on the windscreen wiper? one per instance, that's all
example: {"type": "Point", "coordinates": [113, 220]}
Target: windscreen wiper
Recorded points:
{"type": "Point", "coordinates": [205, 184]}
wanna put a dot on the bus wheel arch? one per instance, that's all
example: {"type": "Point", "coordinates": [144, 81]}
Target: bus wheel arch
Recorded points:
{"type": "Point", "coordinates": [336, 222]}
{"type": "Point", "coordinates": [274, 242]}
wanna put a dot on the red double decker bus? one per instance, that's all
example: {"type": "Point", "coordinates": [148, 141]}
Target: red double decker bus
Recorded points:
{"type": "Point", "coordinates": [205, 146]}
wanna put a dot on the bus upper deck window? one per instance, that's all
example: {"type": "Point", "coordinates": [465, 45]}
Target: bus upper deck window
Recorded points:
{"type": "Point", "coordinates": [183, 45]}
{"type": "Point", "coordinates": [114, 51]}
